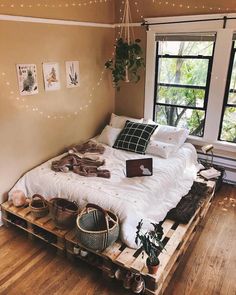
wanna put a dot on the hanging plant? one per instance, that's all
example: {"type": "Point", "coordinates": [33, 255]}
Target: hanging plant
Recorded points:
{"type": "Point", "coordinates": [128, 58]}
{"type": "Point", "coordinates": [127, 62]}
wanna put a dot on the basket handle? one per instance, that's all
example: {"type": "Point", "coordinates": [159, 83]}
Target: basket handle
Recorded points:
{"type": "Point", "coordinates": [94, 206]}
{"type": "Point", "coordinates": [41, 198]}
{"type": "Point", "coordinates": [108, 217]}
{"type": "Point", "coordinates": [104, 212]}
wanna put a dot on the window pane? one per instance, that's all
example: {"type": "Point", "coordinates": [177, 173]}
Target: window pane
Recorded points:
{"type": "Point", "coordinates": [183, 71]}
{"type": "Point", "coordinates": [191, 119]}
{"type": "Point", "coordinates": [232, 96]}
{"type": "Point", "coordinates": [181, 96]}
{"type": "Point", "coordinates": [185, 48]}
{"type": "Point", "coordinates": [228, 132]}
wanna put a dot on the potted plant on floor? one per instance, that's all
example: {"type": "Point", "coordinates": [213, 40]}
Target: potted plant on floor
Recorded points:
{"type": "Point", "coordinates": [150, 242]}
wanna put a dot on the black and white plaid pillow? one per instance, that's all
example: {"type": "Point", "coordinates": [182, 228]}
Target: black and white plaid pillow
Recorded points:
{"type": "Point", "coordinates": [134, 137]}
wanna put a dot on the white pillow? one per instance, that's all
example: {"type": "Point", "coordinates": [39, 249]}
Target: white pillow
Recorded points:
{"type": "Point", "coordinates": [119, 121]}
{"type": "Point", "coordinates": [149, 121]}
{"type": "Point", "coordinates": [170, 134]}
{"type": "Point", "coordinates": [161, 149]}
{"type": "Point", "coordinates": [109, 135]}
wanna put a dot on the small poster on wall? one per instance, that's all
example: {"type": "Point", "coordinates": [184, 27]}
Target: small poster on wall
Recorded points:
{"type": "Point", "coordinates": [51, 76]}
{"type": "Point", "coordinates": [72, 74]}
{"type": "Point", "coordinates": [27, 79]}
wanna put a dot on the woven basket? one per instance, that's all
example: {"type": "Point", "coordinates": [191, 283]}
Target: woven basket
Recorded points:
{"type": "Point", "coordinates": [38, 206]}
{"type": "Point", "coordinates": [97, 228]}
{"type": "Point", "coordinates": [63, 212]}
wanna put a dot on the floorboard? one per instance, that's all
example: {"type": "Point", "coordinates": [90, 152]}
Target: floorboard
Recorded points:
{"type": "Point", "coordinates": [208, 267]}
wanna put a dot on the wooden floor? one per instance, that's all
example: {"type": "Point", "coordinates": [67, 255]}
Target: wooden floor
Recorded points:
{"type": "Point", "coordinates": [208, 268]}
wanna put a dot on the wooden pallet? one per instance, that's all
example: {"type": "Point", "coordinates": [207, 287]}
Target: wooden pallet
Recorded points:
{"type": "Point", "coordinates": [176, 239]}
{"type": "Point", "coordinates": [43, 228]}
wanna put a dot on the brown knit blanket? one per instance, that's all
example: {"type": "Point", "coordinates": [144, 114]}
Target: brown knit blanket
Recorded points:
{"type": "Point", "coordinates": [88, 147]}
{"type": "Point", "coordinates": [83, 166]}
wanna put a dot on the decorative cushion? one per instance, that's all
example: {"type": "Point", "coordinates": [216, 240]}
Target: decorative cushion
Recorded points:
{"type": "Point", "coordinates": [134, 137]}
{"type": "Point", "coordinates": [170, 134]}
{"type": "Point", "coordinates": [109, 135]}
{"type": "Point", "coordinates": [119, 121]}
{"type": "Point", "coordinates": [161, 149]}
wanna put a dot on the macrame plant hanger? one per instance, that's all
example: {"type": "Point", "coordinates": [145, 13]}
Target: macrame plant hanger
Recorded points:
{"type": "Point", "coordinates": [127, 32]}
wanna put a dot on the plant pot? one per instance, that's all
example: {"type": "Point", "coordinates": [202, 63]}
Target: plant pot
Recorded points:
{"type": "Point", "coordinates": [152, 269]}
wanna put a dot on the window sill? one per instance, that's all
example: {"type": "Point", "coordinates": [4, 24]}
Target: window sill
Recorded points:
{"type": "Point", "coordinates": [220, 146]}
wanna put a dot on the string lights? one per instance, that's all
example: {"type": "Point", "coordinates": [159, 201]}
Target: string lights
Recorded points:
{"type": "Point", "coordinates": [187, 6]}
{"type": "Point", "coordinates": [76, 4]}
{"type": "Point", "coordinates": [24, 104]}
{"type": "Point", "coordinates": [55, 5]}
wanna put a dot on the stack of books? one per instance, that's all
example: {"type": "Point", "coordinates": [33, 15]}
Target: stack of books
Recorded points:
{"type": "Point", "coordinates": [210, 173]}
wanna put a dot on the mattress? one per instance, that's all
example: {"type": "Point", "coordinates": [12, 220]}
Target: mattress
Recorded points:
{"type": "Point", "coordinates": [132, 199]}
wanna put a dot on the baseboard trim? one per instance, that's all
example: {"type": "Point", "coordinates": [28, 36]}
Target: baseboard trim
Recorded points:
{"type": "Point", "coordinates": [230, 182]}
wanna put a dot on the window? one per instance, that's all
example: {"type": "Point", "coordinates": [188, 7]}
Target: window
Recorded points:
{"type": "Point", "coordinates": [182, 78]}
{"type": "Point", "coordinates": [228, 120]}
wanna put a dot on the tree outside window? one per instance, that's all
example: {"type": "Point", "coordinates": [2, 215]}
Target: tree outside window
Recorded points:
{"type": "Point", "coordinates": [183, 69]}
{"type": "Point", "coordinates": [228, 121]}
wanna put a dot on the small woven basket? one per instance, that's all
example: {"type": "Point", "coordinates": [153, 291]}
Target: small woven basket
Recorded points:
{"type": "Point", "coordinates": [97, 228]}
{"type": "Point", "coordinates": [63, 212]}
{"type": "Point", "coordinates": [38, 206]}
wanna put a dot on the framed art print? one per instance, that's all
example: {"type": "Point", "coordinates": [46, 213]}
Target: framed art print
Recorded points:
{"type": "Point", "coordinates": [51, 76]}
{"type": "Point", "coordinates": [72, 74]}
{"type": "Point", "coordinates": [27, 79]}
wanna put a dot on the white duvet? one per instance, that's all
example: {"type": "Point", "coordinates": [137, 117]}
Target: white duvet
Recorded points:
{"type": "Point", "coordinates": [132, 199]}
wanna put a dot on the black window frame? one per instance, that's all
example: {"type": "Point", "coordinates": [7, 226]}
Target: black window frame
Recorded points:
{"type": "Point", "coordinates": [206, 88]}
{"type": "Point", "coordinates": [228, 91]}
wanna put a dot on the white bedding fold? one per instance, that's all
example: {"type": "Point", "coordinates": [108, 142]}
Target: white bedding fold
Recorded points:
{"type": "Point", "coordinates": [148, 198]}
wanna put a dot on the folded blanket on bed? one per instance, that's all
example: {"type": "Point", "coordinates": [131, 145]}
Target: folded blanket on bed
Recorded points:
{"type": "Point", "coordinates": [82, 166]}
{"type": "Point", "coordinates": [88, 147]}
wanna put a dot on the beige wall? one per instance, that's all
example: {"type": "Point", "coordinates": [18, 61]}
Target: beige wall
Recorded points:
{"type": "Point", "coordinates": [130, 99]}
{"type": "Point", "coordinates": [28, 138]}
{"type": "Point", "coordinates": [102, 12]}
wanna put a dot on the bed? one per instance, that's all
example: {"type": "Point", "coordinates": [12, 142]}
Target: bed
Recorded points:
{"type": "Point", "coordinates": [132, 199]}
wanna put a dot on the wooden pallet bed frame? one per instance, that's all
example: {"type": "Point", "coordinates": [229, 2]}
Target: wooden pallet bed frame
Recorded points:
{"type": "Point", "coordinates": [35, 227]}
{"type": "Point", "coordinates": [176, 239]}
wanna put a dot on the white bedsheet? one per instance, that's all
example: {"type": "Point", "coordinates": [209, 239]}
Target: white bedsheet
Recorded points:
{"type": "Point", "coordinates": [148, 198]}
